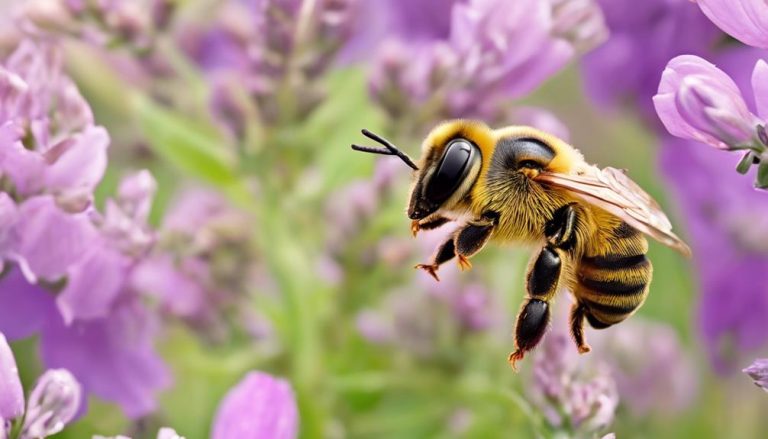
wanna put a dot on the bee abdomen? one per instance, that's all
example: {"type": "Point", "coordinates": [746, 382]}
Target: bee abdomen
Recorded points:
{"type": "Point", "coordinates": [611, 287]}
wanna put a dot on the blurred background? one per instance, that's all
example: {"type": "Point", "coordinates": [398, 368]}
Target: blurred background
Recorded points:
{"type": "Point", "coordinates": [258, 240]}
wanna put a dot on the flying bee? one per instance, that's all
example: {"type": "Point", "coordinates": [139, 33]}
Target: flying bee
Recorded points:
{"type": "Point", "coordinates": [518, 184]}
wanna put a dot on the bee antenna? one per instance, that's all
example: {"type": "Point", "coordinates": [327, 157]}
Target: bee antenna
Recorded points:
{"type": "Point", "coordinates": [391, 149]}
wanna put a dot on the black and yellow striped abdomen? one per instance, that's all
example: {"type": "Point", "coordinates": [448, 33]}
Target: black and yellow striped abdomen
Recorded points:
{"type": "Point", "coordinates": [612, 280]}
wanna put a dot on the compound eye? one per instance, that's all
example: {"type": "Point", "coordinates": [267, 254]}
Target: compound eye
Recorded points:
{"type": "Point", "coordinates": [451, 171]}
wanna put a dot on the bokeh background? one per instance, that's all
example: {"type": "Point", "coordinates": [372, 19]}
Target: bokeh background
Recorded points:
{"type": "Point", "coordinates": [259, 241]}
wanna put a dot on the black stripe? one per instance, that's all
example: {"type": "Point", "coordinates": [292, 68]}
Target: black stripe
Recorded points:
{"type": "Point", "coordinates": [595, 323]}
{"type": "Point", "coordinates": [612, 287]}
{"type": "Point", "coordinates": [616, 262]}
{"type": "Point", "coordinates": [613, 310]}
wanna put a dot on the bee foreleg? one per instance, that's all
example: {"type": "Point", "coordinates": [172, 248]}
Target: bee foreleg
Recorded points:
{"type": "Point", "coordinates": [444, 253]}
{"type": "Point", "coordinates": [428, 223]}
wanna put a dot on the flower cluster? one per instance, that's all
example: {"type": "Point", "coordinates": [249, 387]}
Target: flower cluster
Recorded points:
{"type": "Point", "coordinates": [55, 240]}
{"type": "Point", "coordinates": [53, 402]}
{"type": "Point", "coordinates": [574, 398]}
{"type": "Point", "coordinates": [133, 24]}
{"type": "Point", "coordinates": [698, 101]}
{"type": "Point", "coordinates": [493, 52]}
{"type": "Point", "coordinates": [256, 53]}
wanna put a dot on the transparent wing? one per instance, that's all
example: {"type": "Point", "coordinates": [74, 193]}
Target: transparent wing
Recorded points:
{"type": "Point", "coordinates": [611, 189]}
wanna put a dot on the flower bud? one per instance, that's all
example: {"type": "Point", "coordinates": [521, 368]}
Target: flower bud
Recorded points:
{"type": "Point", "coordinates": [758, 371]}
{"type": "Point", "coordinates": [715, 110]}
{"type": "Point", "coordinates": [53, 403]}
{"type": "Point", "coordinates": [11, 394]}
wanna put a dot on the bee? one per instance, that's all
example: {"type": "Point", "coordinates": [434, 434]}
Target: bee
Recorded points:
{"type": "Point", "coordinates": [522, 185]}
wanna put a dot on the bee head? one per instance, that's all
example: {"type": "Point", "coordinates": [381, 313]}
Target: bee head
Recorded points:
{"type": "Point", "coordinates": [451, 163]}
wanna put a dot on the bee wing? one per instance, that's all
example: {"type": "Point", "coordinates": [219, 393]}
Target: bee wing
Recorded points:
{"type": "Point", "coordinates": [611, 189]}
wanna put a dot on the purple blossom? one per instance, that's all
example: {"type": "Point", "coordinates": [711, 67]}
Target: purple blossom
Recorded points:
{"type": "Point", "coordinates": [758, 371]}
{"type": "Point", "coordinates": [201, 268]}
{"type": "Point", "coordinates": [698, 101]}
{"type": "Point", "coordinates": [472, 71]}
{"type": "Point", "coordinates": [95, 327]}
{"type": "Point", "coordinates": [260, 406]}
{"type": "Point", "coordinates": [255, 48]}
{"type": "Point", "coordinates": [52, 404]}
{"type": "Point", "coordinates": [572, 394]}
{"type": "Point", "coordinates": [644, 36]}
{"type": "Point", "coordinates": [745, 20]}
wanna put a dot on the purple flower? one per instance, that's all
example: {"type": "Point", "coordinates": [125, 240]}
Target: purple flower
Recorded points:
{"type": "Point", "coordinates": [95, 327]}
{"type": "Point", "coordinates": [11, 393]}
{"type": "Point", "coordinates": [472, 71]}
{"type": "Point", "coordinates": [49, 142]}
{"type": "Point", "coordinates": [201, 268]}
{"type": "Point", "coordinates": [745, 20]}
{"type": "Point", "coordinates": [52, 404]}
{"type": "Point", "coordinates": [624, 69]}
{"type": "Point", "coordinates": [260, 406]}
{"type": "Point", "coordinates": [571, 393]}
{"type": "Point", "coordinates": [256, 47]}
{"type": "Point", "coordinates": [113, 357]}
{"type": "Point", "coordinates": [758, 371]}
{"type": "Point", "coordinates": [698, 101]}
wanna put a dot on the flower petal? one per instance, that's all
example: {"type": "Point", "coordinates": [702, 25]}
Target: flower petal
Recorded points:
{"type": "Point", "coordinates": [760, 88]}
{"type": "Point", "coordinates": [24, 307]}
{"type": "Point", "coordinates": [51, 240]}
{"type": "Point", "coordinates": [112, 357]}
{"type": "Point", "coordinates": [93, 284]}
{"type": "Point", "coordinates": [745, 20]}
{"type": "Point", "coordinates": [259, 407]}
{"type": "Point", "coordinates": [11, 394]}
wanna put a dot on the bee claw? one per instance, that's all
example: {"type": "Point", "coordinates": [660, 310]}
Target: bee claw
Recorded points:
{"type": "Point", "coordinates": [514, 357]}
{"type": "Point", "coordinates": [464, 263]}
{"type": "Point", "coordinates": [584, 348]}
{"type": "Point", "coordinates": [415, 228]}
{"type": "Point", "coordinates": [431, 269]}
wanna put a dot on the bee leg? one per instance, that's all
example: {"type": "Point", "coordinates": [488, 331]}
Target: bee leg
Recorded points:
{"type": "Point", "coordinates": [542, 282]}
{"type": "Point", "coordinates": [428, 223]}
{"type": "Point", "coordinates": [577, 328]}
{"type": "Point", "coordinates": [560, 230]}
{"type": "Point", "coordinates": [473, 237]}
{"type": "Point", "coordinates": [541, 286]}
{"type": "Point", "coordinates": [444, 253]}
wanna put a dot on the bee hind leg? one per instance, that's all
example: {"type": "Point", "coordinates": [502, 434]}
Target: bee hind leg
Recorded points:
{"type": "Point", "coordinates": [577, 328]}
{"type": "Point", "coordinates": [542, 283]}
{"type": "Point", "coordinates": [531, 326]}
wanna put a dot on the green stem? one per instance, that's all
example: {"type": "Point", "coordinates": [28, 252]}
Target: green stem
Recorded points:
{"type": "Point", "coordinates": [289, 266]}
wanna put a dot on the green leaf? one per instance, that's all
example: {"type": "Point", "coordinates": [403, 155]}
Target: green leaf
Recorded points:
{"type": "Point", "coordinates": [192, 148]}
{"type": "Point", "coordinates": [762, 176]}
{"type": "Point", "coordinates": [336, 125]}
{"type": "Point", "coordinates": [746, 162]}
